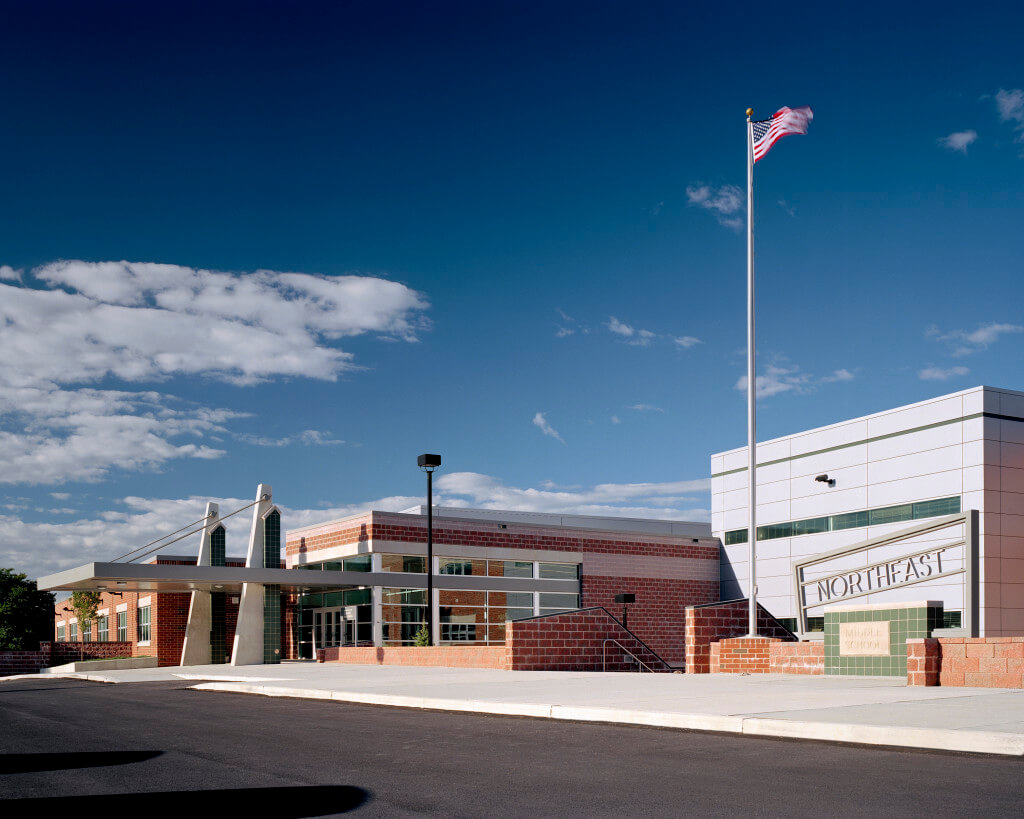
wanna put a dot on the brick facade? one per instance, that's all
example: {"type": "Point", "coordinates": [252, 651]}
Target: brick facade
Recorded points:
{"type": "Point", "coordinates": [741, 655]}
{"type": "Point", "coordinates": [984, 662]}
{"type": "Point", "coordinates": [52, 653]}
{"type": "Point", "coordinates": [571, 641]}
{"type": "Point", "coordinates": [659, 615]}
{"type": "Point", "coordinates": [797, 658]}
{"type": "Point", "coordinates": [718, 621]}
{"type": "Point", "coordinates": [445, 656]}
{"type": "Point", "coordinates": [575, 641]}
{"type": "Point", "coordinates": [399, 528]}
{"type": "Point", "coordinates": [667, 573]}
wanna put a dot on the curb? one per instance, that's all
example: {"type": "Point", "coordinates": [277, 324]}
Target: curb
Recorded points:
{"type": "Point", "coordinates": [980, 742]}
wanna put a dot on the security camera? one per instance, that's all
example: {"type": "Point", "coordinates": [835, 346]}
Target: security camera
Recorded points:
{"type": "Point", "coordinates": [826, 479]}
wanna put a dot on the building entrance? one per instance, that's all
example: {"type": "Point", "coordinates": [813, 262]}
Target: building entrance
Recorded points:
{"type": "Point", "coordinates": [342, 626]}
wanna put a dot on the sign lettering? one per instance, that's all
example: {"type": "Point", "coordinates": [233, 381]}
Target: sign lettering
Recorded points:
{"type": "Point", "coordinates": [879, 577]}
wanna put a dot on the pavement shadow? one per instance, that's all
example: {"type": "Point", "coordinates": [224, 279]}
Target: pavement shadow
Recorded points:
{"type": "Point", "coordinates": [281, 803]}
{"type": "Point", "coordinates": [30, 763]}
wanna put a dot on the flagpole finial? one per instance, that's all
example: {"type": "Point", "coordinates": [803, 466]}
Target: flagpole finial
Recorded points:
{"type": "Point", "coordinates": [750, 113]}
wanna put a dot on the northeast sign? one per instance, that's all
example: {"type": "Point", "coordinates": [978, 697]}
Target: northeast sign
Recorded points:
{"type": "Point", "coordinates": [929, 553]}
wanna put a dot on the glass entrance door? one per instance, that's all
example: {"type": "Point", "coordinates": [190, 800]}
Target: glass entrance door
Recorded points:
{"type": "Point", "coordinates": [342, 626]}
{"type": "Point", "coordinates": [328, 627]}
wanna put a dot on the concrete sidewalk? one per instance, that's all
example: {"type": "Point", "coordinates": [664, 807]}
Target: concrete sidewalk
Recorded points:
{"type": "Point", "coordinates": [875, 711]}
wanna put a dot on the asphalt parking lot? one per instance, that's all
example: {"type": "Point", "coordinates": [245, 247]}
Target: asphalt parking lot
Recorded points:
{"type": "Point", "coordinates": [90, 746]}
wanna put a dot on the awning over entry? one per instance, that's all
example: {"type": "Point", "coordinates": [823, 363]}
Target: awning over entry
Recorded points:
{"type": "Point", "coordinates": [156, 577]}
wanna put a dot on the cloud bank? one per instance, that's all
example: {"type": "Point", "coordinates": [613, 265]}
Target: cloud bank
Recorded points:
{"type": "Point", "coordinates": [74, 326]}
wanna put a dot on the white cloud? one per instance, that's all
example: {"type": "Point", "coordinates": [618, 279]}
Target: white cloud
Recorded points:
{"type": "Point", "coordinates": [82, 434]}
{"type": "Point", "coordinates": [79, 323]}
{"type": "Point", "coordinates": [778, 380]}
{"type": "Point", "coordinates": [686, 342]}
{"type": "Point", "coordinates": [113, 532]}
{"type": "Point", "coordinates": [8, 273]}
{"type": "Point", "coordinates": [941, 374]}
{"type": "Point", "coordinates": [838, 375]}
{"type": "Point", "coordinates": [662, 500]}
{"type": "Point", "coordinates": [562, 332]}
{"type": "Point", "coordinates": [309, 437]}
{"type": "Point", "coordinates": [636, 336]}
{"type": "Point", "coordinates": [147, 322]}
{"type": "Point", "coordinates": [60, 495]}
{"type": "Point", "coordinates": [645, 408]}
{"type": "Point", "coordinates": [723, 202]}
{"type": "Point", "coordinates": [616, 419]}
{"type": "Point", "coordinates": [110, 533]}
{"type": "Point", "coordinates": [958, 141]}
{"type": "Point", "coordinates": [1011, 105]}
{"type": "Point", "coordinates": [542, 424]}
{"type": "Point", "coordinates": [963, 342]}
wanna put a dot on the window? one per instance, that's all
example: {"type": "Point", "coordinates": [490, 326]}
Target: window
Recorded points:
{"type": "Point", "coordinates": [144, 631]}
{"type": "Point", "coordinates": [122, 627]}
{"type": "Point", "coordinates": [415, 564]}
{"type": "Point", "coordinates": [60, 632]}
{"type": "Point", "coordinates": [87, 631]}
{"type": "Point", "coordinates": [850, 520]}
{"type": "Point", "coordinates": [461, 565]}
{"type": "Point", "coordinates": [550, 603]}
{"type": "Point", "coordinates": [403, 611]}
{"type": "Point", "coordinates": [356, 564]}
{"type": "Point", "coordinates": [479, 617]}
{"type": "Point", "coordinates": [103, 628]}
{"type": "Point", "coordinates": [73, 632]}
{"type": "Point", "coordinates": [558, 571]}
{"type": "Point", "coordinates": [510, 568]}
{"type": "Point", "coordinates": [951, 619]}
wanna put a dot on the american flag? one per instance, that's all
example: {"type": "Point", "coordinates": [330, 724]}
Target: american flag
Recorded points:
{"type": "Point", "coordinates": [784, 122]}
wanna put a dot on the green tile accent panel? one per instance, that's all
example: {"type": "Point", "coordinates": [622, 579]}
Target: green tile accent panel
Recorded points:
{"type": "Point", "coordinates": [851, 520]}
{"type": "Point", "coordinates": [272, 624]}
{"type": "Point", "coordinates": [272, 540]}
{"type": "Point", "coordinates": [904, 624]}
{"type": "Point", "coordinates": [218, 547]}
{"type": "Point", "coordinates": [219, 649]}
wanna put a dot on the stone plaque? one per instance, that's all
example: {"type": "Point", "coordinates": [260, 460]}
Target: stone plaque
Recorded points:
{"type": "Point", "coordinates": [864, 639]}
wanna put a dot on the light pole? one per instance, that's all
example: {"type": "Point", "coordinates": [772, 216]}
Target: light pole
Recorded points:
{"type": "Point", "coordinates": [428, 463]}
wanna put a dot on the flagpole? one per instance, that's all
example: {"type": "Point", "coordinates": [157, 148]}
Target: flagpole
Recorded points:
{"type": "Point", "coordinates": [751, 385]}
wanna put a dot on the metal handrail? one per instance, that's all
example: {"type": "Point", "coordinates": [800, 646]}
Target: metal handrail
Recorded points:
{"type": "Point", "coordinates": [604, 655]}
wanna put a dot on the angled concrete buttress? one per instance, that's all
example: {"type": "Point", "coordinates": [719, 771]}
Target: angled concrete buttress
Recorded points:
{"type": "Point", "coordinates": [197, 647]}
{"type": "Point", "coordinates": [248, 645]}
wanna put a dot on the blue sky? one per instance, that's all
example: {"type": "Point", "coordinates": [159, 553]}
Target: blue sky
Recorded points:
{"type": "Point", "coordinates": [340, 235]}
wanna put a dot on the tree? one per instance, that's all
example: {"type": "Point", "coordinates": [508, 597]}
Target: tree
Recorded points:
{"type": "Point", "coordinates": [423, 636]}
{"type": "Point", "coordinates": [85, 604]}
{"type": "Point", "coordinates": [26, 614]}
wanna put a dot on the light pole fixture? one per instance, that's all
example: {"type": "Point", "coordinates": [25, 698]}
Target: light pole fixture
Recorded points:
{"type": "Point", "coordinates": [428, 463]}
{"type": "Point", "coordinates": [625, 599]}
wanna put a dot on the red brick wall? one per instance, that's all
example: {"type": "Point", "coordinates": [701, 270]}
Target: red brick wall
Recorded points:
{"type": "Point", "coordinates": [410, 529]}
{"type": "Point", "coordinates": [659, 615]}
{"type": "Point", "coordinates": [574, 641]}
{"type": "Point", "coordinates": [23, 662]}
{"type": "Point", "coordinates": [797, 658]}
{"type": "Point", "coordinates": [708, 624]}
{"type": "Point", "coordinates": [984, 662]}
{"type": "Point", "coordinates": [735, 655]}
{"type": "Point", "coordinates": [447, 656]}
{"type": "Point", "coordinates": [50, 654]}
{"type": "Point", "coordinates": [168, 617]}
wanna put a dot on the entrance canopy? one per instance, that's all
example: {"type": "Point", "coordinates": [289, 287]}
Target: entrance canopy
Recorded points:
{"type": "Point", "coordinates": [165, 577]}
{"type": "Point", "coordinates": [156, 577]}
